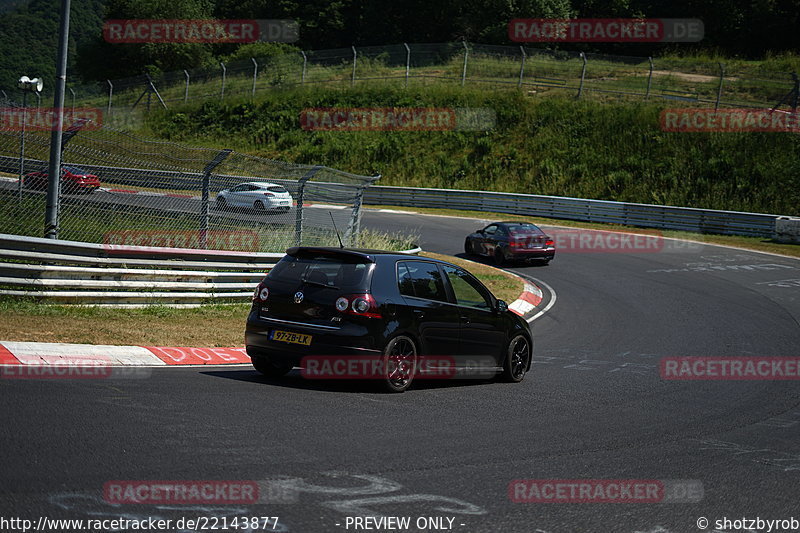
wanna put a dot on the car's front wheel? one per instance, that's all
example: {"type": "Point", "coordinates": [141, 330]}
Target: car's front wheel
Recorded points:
{"type": "Point", "coordinates": [258, 205]}
{"type": "Point", "coordinates": [399, 363]}
{"type": "Point", "coordinates": [222, 203]}
{"type": "Point", "coordinates": [270, 369]}
{"type": "Point", "coordinates": [468, 247]}
{"type": "Point", "coordinates": [518, 359]}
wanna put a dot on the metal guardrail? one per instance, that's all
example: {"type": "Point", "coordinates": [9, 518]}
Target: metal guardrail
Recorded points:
{"type": "Point", "coordinates": [558, 207]}
{"type": "Point", "coordinates": [86, 273]}
{"type": "Point", "coordinates": [581, 209]}
{"type": "Point", "coordinates": [71, 272]}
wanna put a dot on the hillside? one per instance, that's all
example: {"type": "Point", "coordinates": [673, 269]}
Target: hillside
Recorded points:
{"type": "Point", "coordinates": [541, 145]}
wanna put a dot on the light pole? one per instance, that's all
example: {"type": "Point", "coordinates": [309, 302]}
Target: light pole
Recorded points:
{"type": "Point", "coordinates": [26, 85]}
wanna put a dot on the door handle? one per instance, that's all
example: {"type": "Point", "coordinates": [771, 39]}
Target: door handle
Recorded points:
{"type": "Point", "coordinates": [465, 319]}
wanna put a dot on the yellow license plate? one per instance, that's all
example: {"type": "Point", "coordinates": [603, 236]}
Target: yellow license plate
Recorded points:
{"type": "Point", "coordinates": [292, 338]}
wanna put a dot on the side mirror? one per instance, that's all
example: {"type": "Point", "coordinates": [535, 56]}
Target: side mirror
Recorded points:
{"type": "Point", "coordinates": [502, 306]}
{"type": "Point", "coordinates": [480, 231]}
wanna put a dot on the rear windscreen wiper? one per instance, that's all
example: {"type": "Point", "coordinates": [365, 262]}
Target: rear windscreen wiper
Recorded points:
{"type": "Point", "coordinates": [317, 283]}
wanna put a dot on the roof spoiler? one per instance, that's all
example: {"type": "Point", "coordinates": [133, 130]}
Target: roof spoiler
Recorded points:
{"type": "Point", "coordinates": [361, 257]}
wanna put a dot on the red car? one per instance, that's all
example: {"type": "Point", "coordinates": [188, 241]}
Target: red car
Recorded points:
{"type": "Point", "coordinates": [73, 179]}
{"type": "Point", "coordinates": [511, 241]}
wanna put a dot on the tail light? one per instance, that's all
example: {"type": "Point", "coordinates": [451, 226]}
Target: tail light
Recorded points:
{"type": "Point", "coordinates": [269, 194]}
{"type": "Point", "coordinates": [358, 305]}
{"type": "Point", "coordinates": [261, 293]}
{"type": "Point", "coordinates": [549, 242]}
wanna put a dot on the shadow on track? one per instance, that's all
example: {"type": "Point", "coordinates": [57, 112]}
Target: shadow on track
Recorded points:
{"type": "Point", "coordinates": [294, 380]}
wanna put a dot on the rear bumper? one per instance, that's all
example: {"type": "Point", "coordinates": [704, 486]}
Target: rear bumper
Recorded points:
{"type": "Point", "coordinates": [349, 339]}
{"type": "Point", "coordinates": [535, 253]}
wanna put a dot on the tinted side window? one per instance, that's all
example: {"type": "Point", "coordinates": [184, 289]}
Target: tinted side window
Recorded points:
{"type": "Point", "coordinates": [466, 290]}
{"type": "Point", "coordinates": [489, 230]}
{"type": "Point", "coordinates": [404, 280]}
{"type": "Point", "coordinates": [423, 278]}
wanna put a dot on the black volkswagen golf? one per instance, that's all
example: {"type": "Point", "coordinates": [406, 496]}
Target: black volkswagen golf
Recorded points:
{"type": "Point", "coordinates": [401, 316]}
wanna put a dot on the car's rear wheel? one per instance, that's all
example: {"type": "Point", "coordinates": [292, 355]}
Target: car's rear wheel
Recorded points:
{"type": "Point", "coordinates": [268, 368]}
{"type": "Point", "coordinates": [258, 205]}
{"type": "Point", "coordinates": [518, 356]}
{"type": "Point", "coordinates": [499, 257]}
{"type": "Point", "coordinates": [399, 363]}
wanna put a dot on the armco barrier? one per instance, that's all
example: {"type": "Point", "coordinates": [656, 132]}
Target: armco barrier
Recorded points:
{"type": "Point", "coordinates": [640, 215]}
{"type": "Point", "coordinates": [558, 207]}
{"type": "Point", "coordinates": [86, 273]}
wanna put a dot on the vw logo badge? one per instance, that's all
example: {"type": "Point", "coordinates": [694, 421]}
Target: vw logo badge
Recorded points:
{"type": "Point", "coordinates": [298, 297]}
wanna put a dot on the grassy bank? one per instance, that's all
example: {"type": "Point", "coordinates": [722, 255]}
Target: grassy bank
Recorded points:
{"type": "Point", "coordinates": [542, 145]}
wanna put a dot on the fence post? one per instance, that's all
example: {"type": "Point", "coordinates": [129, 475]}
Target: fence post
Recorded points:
{"type": "Point", "coordinates": [110, 94]}
{"type": "Point", "coordinates": [224, 71]}
{"type": "Point", "coordinates": [186, 87]}
{"type": "Point", "coordinates": [298, 210]}
{"type": "Point", "coordinates": [354, 226]}
{"type": "Point", "coordinates": [649, 79]}
{"type": "Point", "coordinates": [719, 90]}
{"type": "Point", "coordinates": [795, 91]}
{"type": "Point", "coordinates": [73, 102]}
{"type": "Point", "coordinates": [464, 70]}
{"type": "Point", "coordinates": [5, 96]}
{"type": "Point", "coordinates": [22, 144]}
{"type": "Point", "coordinates": [305, 60]}
{"type": "Point", "coordinates": [255, 74]}
{"type": "Point", "coordinates": [408, 61]}
{"type": "Point", "coordinates": [353, 78]}
{"type": "Point", "coordinates": [38, 100]}
{"type": "Point", "coordinates": [583, 74]}
{"type": "Point", "coordinates": [521, 66]}
{"type": "Point", "coordinates": [214, 163]}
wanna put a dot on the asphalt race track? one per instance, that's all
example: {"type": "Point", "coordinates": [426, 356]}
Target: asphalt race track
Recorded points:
{"type": "Point", "coordinates": [593, 407]}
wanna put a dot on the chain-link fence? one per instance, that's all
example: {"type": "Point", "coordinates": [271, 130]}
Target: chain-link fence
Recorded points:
{"type": "Point", "coordinates": [535, 70]}
{"type": "Point", "coordinates": [117, 188]}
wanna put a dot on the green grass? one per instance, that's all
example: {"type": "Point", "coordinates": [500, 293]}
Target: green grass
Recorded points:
{"type": "Point", "coordinates": [549, 145]}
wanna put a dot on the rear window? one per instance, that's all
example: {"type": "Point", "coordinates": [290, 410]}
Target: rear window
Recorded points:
{"type": "Point", "coordinates": [276, 188]}
{"type": "Point", "coordinates": [323, 270]}
{"type": "Point", "coordinates": [523, 229]}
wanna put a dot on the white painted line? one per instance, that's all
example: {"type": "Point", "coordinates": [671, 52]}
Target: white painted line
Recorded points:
{"type": "Point", "coordinates": [326, 206]}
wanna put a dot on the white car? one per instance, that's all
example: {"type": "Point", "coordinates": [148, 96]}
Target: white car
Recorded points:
{"type": "Point", "coordinates": [257, 195]}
